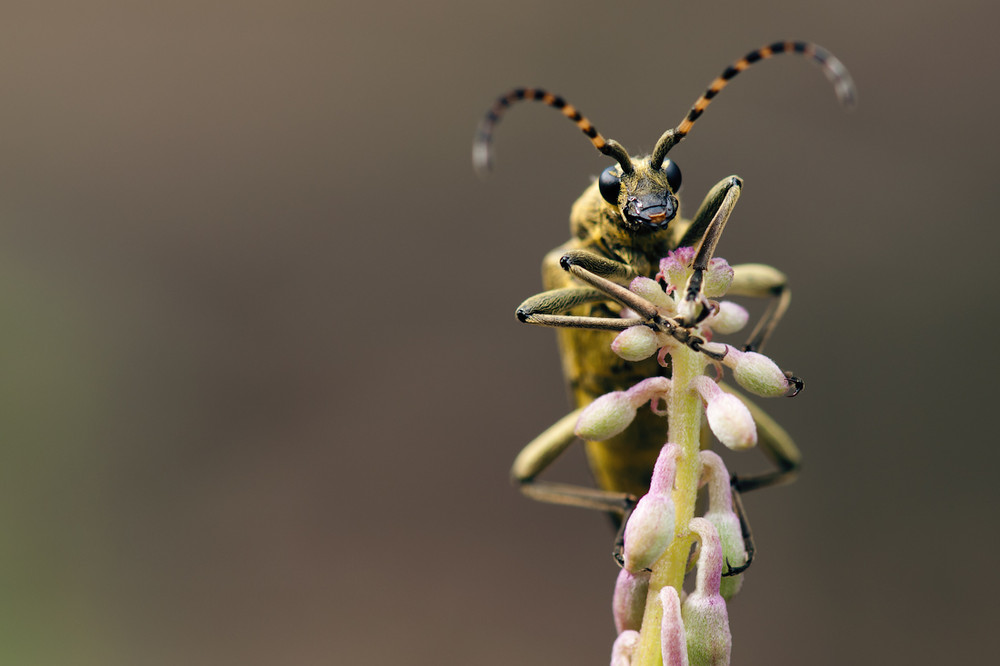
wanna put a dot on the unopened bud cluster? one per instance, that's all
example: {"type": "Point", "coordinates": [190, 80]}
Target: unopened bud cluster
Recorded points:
{"type": "Point", "coordinates": [693, 627]}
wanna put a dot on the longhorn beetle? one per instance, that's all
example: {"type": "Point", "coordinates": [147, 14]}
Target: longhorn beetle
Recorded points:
{"type": "Point", "coordinates": [621, 226]}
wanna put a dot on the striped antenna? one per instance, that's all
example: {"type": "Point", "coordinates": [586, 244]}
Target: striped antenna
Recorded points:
{"type": "Point", "coordinates": [835, 71]}
{"type": "Point", "coordinates": [482, 158]}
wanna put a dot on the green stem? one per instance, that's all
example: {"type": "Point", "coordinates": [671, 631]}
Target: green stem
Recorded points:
{"type": "Point", "coordinates": [684, 414]}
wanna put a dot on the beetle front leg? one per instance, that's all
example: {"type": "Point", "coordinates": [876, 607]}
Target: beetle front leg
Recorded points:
{"type": "Point", "coordinates": [714, 201]}
{"type": "Point", "coordinates": [649, 313]}
{"type": "Point", "coordinates": [541, 452]}
{"type": "Point", "coordinates": [608, 269]}
{"type": "Point", "coordinates": [706, 230]}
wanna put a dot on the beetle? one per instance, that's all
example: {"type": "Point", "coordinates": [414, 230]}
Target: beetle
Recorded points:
{"type": "Point", "coordinates": [621, 226]}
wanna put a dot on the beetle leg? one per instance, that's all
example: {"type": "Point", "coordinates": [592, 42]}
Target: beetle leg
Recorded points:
{"type": "Point", "coordinates": [648, 312]}
{"type": "Point", "coordinates": [783, 454]}
{"type": "Point", "coordinates": [546, 308]}
{"type": "Point", "coordinates": [762, 281]}
{"type": "Point", "coordinates": [719, 203]}
{"type": "Point", "coordinates": [619, 550]}
{"type": "Point", "coordinates": [542, 452]}
{"type": "Point", "coordinates": [746, 533]}
{"type": "Point", "coordinates": [730, 189]}
{"type": "Point", "coordinates": [708, 210]}
{"type": "Point", "coordinates": [598, 265]}
{"type": "Point", "coordinates": [776, 445]}
{"type": "Point", "coordinates": [756, 280]}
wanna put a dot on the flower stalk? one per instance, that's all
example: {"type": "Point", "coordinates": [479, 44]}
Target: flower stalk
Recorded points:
{"type": "Point", "coordinates": [684, 414]}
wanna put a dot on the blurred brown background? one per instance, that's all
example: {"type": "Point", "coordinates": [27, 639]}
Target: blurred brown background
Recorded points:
{"type": "Point", "coordinates": [261, 379]}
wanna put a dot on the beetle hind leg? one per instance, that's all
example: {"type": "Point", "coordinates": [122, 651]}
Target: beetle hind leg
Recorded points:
{"type": "Point", "coordinates": [746, 533]}
{"type": "Point", "coordinates": [541, 452]}
{"type": "Point", "coordinates": [775, 443]}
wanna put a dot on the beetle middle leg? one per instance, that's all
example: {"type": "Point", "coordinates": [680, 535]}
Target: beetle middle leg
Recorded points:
{"type": "Point", "coordinates": [762, 281]}
{"type": "Point", "coordinates": [548, 308]}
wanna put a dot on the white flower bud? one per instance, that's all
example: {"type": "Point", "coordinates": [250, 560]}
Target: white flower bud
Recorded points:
{"type": "Point", "coordinates": [606, 417]}
{"type": "Point", "coordinates": [718, 278]}
{"type": "Point", "coordinates": [649, 531]}
{"type": "Point", "coordinates": [757, 373]}
{"type": "Point", "coordinates": [729, 319]}
{"type": "Point", "coordinates": [731, 422]}
{"type": "Point", "coordinates": [728, 417]}
{"type": "Point", "coordinates": [624, 647]}
{"type": "Point", "coordinates": [725, 520]}
{"type": "Point", "coordinates": [652, 292]}
{"type": "Point", "coordinates": [706, 619]}
{"type": "Point", "coordinates": [636, 343]}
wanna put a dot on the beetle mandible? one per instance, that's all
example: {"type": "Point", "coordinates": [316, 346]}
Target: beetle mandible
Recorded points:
{"type": "Point", "coordinates": [621, 226]}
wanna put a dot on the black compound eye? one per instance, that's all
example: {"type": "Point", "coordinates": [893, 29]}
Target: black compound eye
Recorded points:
{"type": "Point", "coordinates": [673, 175]}
{"type": "Point", "coordinates": [610, 184]}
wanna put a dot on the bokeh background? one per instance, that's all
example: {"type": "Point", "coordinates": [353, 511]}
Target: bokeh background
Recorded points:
{"type": "Point", "coordinates": [260, 379]}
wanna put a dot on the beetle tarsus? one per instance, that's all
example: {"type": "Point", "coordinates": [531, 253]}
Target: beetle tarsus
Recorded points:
{"type": "Point", "coordinates": [797, 384]}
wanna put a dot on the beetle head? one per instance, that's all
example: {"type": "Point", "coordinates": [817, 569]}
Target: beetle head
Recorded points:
{"type": "Point", "coordinates": [644, 196]}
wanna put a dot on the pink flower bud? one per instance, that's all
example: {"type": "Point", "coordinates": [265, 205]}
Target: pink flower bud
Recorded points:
{"type": "Point", "coordinates": [728, 417]}
{"type": "Point", "coordinates": [665, 469]}
{"type": "Point", "coordinates": [729, 319]}
{"type": "Point", "coordinates": [673, 642]}
{"type": "Point", "coordinates": [606, 417]}
{"type": "Point", "coordinates": [629, 601]}
{"type": "Point", "coordinates": [649, 531]}
{"type": "Point", "coordinates": [636, 343]}
{"type": "Point", "coordinates": [676, 266]}
{"type": "Point", "coordinates": [624, 647]}
{"type": "Point", "coordinates": [648, 389]}
{"type": "Point", "coordinates": [706, 619]}
{"type": "Point", "coordinates": [722, 516]}
{"type": "Point", "coordinates": [718, 278]}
